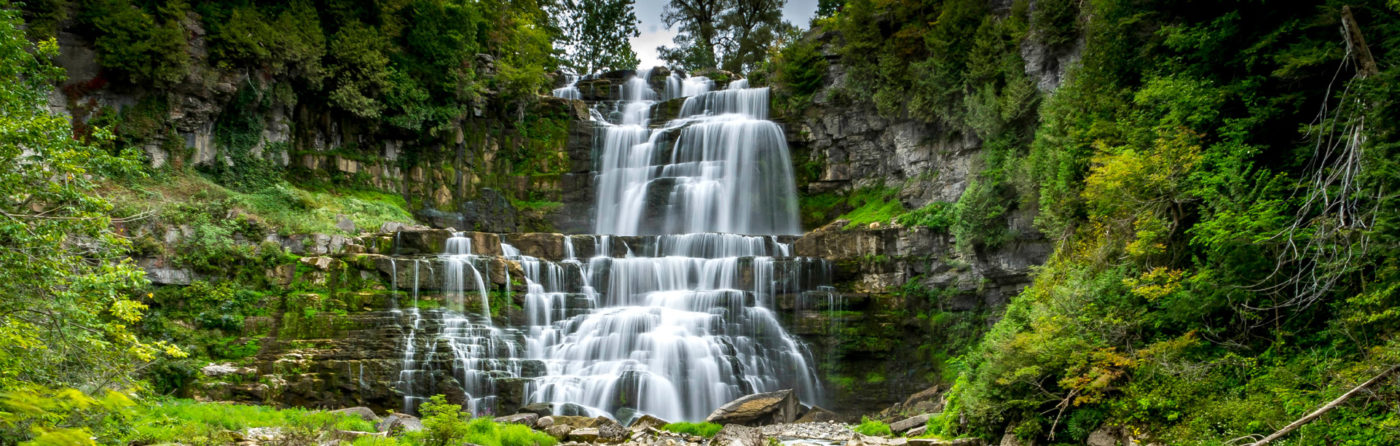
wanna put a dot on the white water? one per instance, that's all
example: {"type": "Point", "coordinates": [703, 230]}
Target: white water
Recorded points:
{"type": "Point", "coordinates": [721, 167]}
{"type": "Point", "coordinates": [678, 331]}
{"type": "Point", "coordinates": [570, 88]}
{"type": "Point", "coordinates": [675, 325]}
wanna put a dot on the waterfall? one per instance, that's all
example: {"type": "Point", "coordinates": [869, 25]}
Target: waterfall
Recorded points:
{"type": "Point", "coordinates": [721, 167]}
{"type": "Point", "coordinates": [570, 88]}
{"type": "Point", "coordinates": [671, 310]}
{"type": "Point", "coordinates": [688, 324]}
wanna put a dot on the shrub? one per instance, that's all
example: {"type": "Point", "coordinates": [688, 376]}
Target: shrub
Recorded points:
{"type": "Point", "coordinates": [937, 215]}
{"type": "Point", "coordinates": [873, 427]}
{"type": "Point", "coordinates": [147, 49]}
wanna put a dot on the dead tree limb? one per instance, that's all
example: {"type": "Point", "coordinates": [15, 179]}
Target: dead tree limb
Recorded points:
{"type": "Point", "coordinates": [1321, 410]}
{"type": "Point", "coordinates": [1366, 65]}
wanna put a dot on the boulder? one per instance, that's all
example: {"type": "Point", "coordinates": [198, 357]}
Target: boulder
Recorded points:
{"type": "Point", "coordinates": [364, 413]}
{"type": "Point", "coordinates": [737, 435]}
{"type": "Point", "coordinates": [758, 409]}
{"type": "Point", "coordinates": [1103, 436]}
{"type": "Point", "coordinates": [344, 223]}
{"type": "Point", "coordinates": [541, 409]}
{"type": "Point", "coordinates": [818, 415]}
{"type": "Point", "coordinates": [544, 422]}
{"type": "Point", "coordinates": [559, 431]}
{"type": "Point", "coordinates": [906, 424]}
{"type": "Point", "coordinates": [398, 422]}
{"type": "Point", "coordinates": [527, 419]}
{"type": "Point", "coordinates": [646, 421]}
{"type": "Point", "coordinates": [584, 434]}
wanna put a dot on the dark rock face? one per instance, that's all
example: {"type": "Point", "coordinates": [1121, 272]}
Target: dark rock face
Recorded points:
{"type": "Point", "coordinates": [758, 409]}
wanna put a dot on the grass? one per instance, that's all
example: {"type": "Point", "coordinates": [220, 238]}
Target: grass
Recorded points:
{"type": "Point", "coordinates": [873, 427]}
{"type": "Point", "coordinates": [873, 205]}
{"type": "Point", "coordinates": [288, 208]}
{"type": "Point", "coordinates": [706, 430]}
{"type": "Point", "coordinates": [191, 422]}
{"type": "Point", "coordinates": [485, 432]}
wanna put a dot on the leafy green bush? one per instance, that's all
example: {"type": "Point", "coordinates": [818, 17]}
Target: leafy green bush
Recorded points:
{"type": "Point", "coordinates": [706, 430]}
{"type": "Point", "coordinates": [801, 69]}
{"type": "Point", "coordinates": [868, 426]}
{"type": "Point", "coordinates": [443, 424]}
{"type": "Point", "coordinates": [937, 216]}
{"type": "Point", "coordinates": [148, 49]}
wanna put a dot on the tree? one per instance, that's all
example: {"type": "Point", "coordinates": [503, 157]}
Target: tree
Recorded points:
{"type": "Point", "coordinates": [695, 40]}
{"type": "Point", "coordinates": [596, 34]}
{"type": "Point", "coordinates": [69, 293]}
{"type": "Point", "coordinates": [741, 30]}
{"type": "Point", "coordinates": [747, 29]}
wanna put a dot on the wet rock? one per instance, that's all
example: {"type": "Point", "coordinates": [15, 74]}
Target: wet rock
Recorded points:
{"type": "Point", "coordinates": [758, 409]}
{"type": "Point", "coordinates": [541, 409]}
{"type": "Point", "coordinates": [397, 422]}
{"type": "Point", "coordinates": [528, 419]}
{"type": "Point", "coordinates": [906, 424]}
{"type": "Point", "coordinates": [364, 413]}
{"type": "Point", "coordinates": [490, 212]}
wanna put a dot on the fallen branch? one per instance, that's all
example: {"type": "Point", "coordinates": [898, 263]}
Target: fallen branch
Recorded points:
{"type": "Point", "coordinates": [1325, 408]}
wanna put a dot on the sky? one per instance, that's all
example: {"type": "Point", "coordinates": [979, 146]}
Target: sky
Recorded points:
{"type": "Point", "coordinates": [654, 32]}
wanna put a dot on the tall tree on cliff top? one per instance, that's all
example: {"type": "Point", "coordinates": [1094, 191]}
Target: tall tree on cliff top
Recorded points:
{"type": "Point", "coordinates": [741, 30]}
{"type": "Point", "coordinates": [596, 34]}
{"type": "Point", "coordinates": [748, 28]}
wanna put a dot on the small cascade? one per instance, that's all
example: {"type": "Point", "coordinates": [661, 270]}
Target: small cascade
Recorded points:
{"type": "Point", "coordinates": [450, 347]}
{"type": "Point", "coordinates": [570, 88]}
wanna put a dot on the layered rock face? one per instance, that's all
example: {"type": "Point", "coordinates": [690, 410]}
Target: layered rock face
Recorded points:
{"type": "Point", "coordinates": [898, 285]}
{"type": "Point", "coordinates": [471, 175]}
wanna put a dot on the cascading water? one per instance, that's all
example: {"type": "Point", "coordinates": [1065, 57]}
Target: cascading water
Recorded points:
{"type": "Point", "coordinates": [672, 311]}
{"type": "Point", "coordinates": [678, 331]}
{"type": "Point", "coordinates": [570, 88]}
{"type": "Point", "coordinates": [720, 167]}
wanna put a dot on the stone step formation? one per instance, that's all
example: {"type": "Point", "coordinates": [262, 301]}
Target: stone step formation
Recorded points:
{"type": "Point", "coordinates": [668, 311]}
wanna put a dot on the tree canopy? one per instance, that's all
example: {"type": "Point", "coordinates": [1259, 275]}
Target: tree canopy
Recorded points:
{"type": "Point", "coordinates": [730, 34]}
{"type": "Point", "coordinates": [595, 34]}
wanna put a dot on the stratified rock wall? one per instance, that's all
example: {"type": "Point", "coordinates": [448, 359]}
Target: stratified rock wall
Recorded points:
{"type": "Point", "coordinates": [888, 334]}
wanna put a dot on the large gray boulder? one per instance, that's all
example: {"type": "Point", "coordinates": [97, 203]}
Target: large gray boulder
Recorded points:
{"type": "Point", "coordinates": [737, 435]}
{"type": "Point", "coordinates": [397, 422]}
{"type": "Point", "coordinates": [759, 409]}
